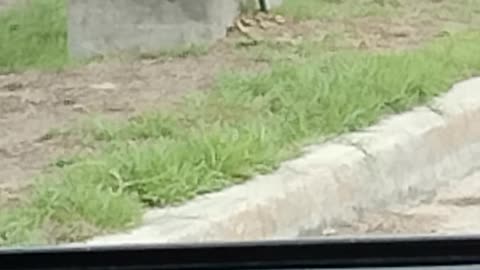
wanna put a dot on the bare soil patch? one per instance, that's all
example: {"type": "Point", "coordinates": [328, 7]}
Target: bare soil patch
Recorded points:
{"type": "Point", "coordinates": [34, 103]}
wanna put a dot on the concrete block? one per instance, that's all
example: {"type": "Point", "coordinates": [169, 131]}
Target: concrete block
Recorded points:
{"type": "Point", "coordinates": [255, 4]}
{"type": "Point", "coordinates": [109, 26]}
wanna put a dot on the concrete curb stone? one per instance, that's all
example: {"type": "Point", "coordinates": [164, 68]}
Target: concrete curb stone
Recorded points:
{"type": "Point", "coordinates": [404, 158]}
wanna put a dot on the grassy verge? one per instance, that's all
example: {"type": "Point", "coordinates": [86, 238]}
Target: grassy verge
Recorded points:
{"type": "Point", "coordinates": [338, 9]}
{"type": "Point", "coordinates": [33, 35]}
{"type": "Point", "coordinates": [464, 10]}
{"type": "Point", "coordinates": [245, 126]}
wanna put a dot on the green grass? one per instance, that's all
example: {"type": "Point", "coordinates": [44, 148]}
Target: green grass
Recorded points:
{"type": "Point", "coordinates": [246, 125]}
{"type": "Point", "coordinates": [33, 35]}
{"type": "Point", "coordinates": [338, 9]}
{"type": "Point", "coordinates": [459, 10]}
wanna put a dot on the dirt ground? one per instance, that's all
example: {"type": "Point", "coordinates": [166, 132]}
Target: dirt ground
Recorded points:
{"type": "Point", "coordinates": [33, 103]}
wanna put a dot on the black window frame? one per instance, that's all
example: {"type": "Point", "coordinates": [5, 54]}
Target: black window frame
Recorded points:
{"type": "Point", "coordinates": [325, 253]}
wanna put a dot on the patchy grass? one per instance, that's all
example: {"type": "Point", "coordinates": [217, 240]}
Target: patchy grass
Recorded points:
{"type": "Point", "coordinates": [179, 52]}
{"type": "Point", "coordinates": [467, 10]}
{"type": "Point", "coordinates": [33, 35]}
{"type": "Point", "coordinates": [247, 125]}
{"type": "Point", "coordinates": [338, 9]}
{"type": "Point", "coordinates": [273, 52]}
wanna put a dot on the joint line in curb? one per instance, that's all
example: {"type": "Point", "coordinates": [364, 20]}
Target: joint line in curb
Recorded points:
{"type": "Point", "coordinates": [359, 147]}
{"type": "Point", "coordinates": [435, 110]}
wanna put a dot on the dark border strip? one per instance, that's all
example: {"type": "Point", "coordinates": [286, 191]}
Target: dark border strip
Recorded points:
{"type": "Point", "coordinates": [324, 253]}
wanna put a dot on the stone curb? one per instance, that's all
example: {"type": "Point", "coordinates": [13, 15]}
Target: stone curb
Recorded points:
{"type": "Point", "coordinates": [404, 158]}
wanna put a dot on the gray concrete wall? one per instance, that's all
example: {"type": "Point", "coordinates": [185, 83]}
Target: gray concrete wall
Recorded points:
{"type": "Point", "coordinates": [256, 3]}
{"type": "Point", "coordinates": [109, 26]}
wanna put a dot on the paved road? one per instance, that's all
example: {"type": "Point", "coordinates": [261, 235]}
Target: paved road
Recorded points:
{"type": "Point", "coordinates": [455, 209]}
